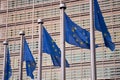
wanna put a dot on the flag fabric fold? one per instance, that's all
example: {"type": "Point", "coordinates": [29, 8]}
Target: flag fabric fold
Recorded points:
{"type": "Point", "coordinates": [76, 35]}
{"type": "Point", "coordinates": [29, 59]}
{"type": "Point", "coordinates": [101, 26]}
{"type": "Point", "coordinates": [51, 48]}
{"type": "Point", "coordinates": [8, 70]}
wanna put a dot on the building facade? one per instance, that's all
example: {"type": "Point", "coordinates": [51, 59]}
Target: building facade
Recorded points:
{"type": "Point", "coordinates": [17, 15]}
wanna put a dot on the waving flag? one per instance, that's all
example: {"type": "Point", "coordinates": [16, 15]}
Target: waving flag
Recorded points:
{"type": "Point", "coordinates": [51, 48]}
{"type": "Point", "coordinates": [8, 70]}
{"type": "Point", "coordinates": [101, 26]}
{"type": "Point", "coordinates": [29, 59]}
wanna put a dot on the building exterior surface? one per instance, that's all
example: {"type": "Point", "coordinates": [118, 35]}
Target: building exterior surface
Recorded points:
{"type": "Point", "coordinates": [17, 15]}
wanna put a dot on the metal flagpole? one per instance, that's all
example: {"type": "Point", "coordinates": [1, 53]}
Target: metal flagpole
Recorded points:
{"type": "Point", "coordinates": [40, 22]}
{"type": "Point", "coordinates": [62, 42]}
{"type": "Point", "coordinates": [92, 44]}
{"type": "Point", "coordinates": [22, 33]}
{"type": "Point", "coordinates": [5, 43]}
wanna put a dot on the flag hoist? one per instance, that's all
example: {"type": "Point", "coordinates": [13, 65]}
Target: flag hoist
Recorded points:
{"type": "Point", "coordinates": [7, 71]}
{"type": "Point", "coordinates": [92, 44]}
{"type": "Point", "coordinates": [40, 22]}
{"type": "Point", "coordinates": [22, 33]}
{"type": "Point", "coordinates": [5, 43]}
{"type": "Point", "coordinates": [62, 41]}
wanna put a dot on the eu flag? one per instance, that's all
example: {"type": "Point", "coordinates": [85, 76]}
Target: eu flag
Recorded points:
{"type": "Point", "coordinates": [101, 26]}
{"type": "Point", "coordinates": [76, 35]}
{"type": "Point", "coordinates": [51, 48]}
{"type": "Point", "coordinates": [29, 59]}
{"type": "Point", "coordinates": [8, 70]}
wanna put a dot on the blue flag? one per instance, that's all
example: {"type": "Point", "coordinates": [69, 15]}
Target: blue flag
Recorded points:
{"type": "Point", "coordinates": [8, 70]}
{"type": "Point", "coordinates": [29, 59]}
{"type": "Point", "coordinates": [101, 26]}
{"type": "Point", "coordinates": [76, 35]}
{"type": "Point", "coordinates": [51, 48]}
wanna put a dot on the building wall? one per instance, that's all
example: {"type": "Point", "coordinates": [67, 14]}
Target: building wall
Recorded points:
{"type": "Point", "coordinates": [23, 14]}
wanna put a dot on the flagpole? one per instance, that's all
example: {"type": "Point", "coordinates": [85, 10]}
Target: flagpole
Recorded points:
{"type": "Point", "coordinates": [5, 43]}
{"type": "Point", "coordinates": [40, 22]}
{"type": "Point", "coordinates": [92, 44]}
{"type": "Point", "coordinates": [62, 41]}
{"type": "Point", "coordinates": [22, 33]}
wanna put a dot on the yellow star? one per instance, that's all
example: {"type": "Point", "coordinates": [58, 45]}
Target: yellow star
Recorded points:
{"type": "Point", "coordinates": [105, 34]}
{"type": "Point", "coordinates": [55, 50]}
{"type": "Point", "coordinates": [9, 72]}
{"type": "Point", "coordinates": [81, 42]}
{"type": "Point", "coordinates": [74, 35]}
{"type": "Point", "coordinates": [28, 65]}
{"type": "Point", "coordinates": [53, 46]}
{"type": "Point", "coordinates": [83, 33]}
{"type": "Point", "coordinates": [76, 40]}
{"type": "Point", "coordinates": [73, 30]}
{"type": "Point", "coordinates": [86, 41]}
{"type": "Point", "coordinates": [52, 41]}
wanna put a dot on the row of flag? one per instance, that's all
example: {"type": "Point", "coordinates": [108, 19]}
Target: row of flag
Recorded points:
{"type": "Point", "coordinates": [74, 35]}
